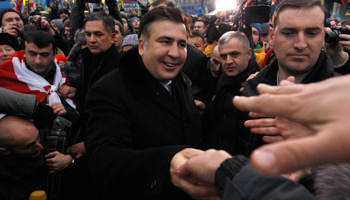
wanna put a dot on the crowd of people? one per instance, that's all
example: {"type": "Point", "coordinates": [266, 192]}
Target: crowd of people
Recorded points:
{"type": "Point", "coordinates": [171, 106]}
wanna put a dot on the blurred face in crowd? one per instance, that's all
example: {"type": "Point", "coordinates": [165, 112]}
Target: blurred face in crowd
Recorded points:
{"type": "Point", "coordinates": [6, 52]}
{"type": "Point", "coordinates": [125, 24]}
{"type": "Point", "coordinates": [12, 20]}
{"type": "Point", "coordinates": [136, 23]}
{"type": "Point", "coordinates": [118, 37]}
{"type": "Point", "coordinates": [164, 54]}
{"type": "Point", "coordinates": [63, 15]}
{"type": "Point", "coordinates": [54, 26]}
{"type": "Point", "coordinates": [67, 33]}
{"type": "Point", "coordinates": [199, 26]}
{"type": "Point", "coordinates": [97, 36]}
{"type": "Point", "coordinates": [38, 59]}
{"type": "Point", "coordinates": [255, 34]}
{"type": "Point", "coordinates": [216, 62]}
{"type": "Point", "coordinates": [298, 45]}
{"type": "Point", "coordinates": [23, 138]}
{"type": "Point", "coordinates": [197, 42]}
{"type": "Point", "coordinates": [234, 59]}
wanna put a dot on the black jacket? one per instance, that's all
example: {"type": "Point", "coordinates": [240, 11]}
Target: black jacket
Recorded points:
{"type": "Point", "coordinates": [195, 68]}
{"type": "Point", "coordinates": [135, 128]}
{"type": "Point", "coordinates": [93, 68]}
{"type": "Point", "coordinates": [322, 70]}
{"type": "Point", "coordinates": [221, 120]}
{"type": "Point", "coordinates": [238, 181]}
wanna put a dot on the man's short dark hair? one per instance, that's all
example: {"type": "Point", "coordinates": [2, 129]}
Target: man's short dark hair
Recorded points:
{"type": "Point", "coordinates": [158, 14]}
{"type": "Point", "coordinates": [107, 20]}
{"type": "Point", "coordinates": [166, 2]}
{"type": "Point", "coordinates": [121, 27]}
{"type": "Point", "coordinates": [197, 34]}
{"type": "Point", "coordinates": [297, 4]}
{"type": "Point", "coordinates": [41, 39]}
{"type": "Point", "coordinates": [204, 23]}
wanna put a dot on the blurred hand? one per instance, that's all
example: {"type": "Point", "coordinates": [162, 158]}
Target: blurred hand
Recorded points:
{"type": "Point", "coordinates": [200, 106]}
{"type": "Point", "coordinates": [78, 149]}
{"type": "Point", "coordinates": [58, 108]}
{"type": "Point", "coordinates": [195, 190]}
{"type": "Point", "coordinates": [67, 91]}
{"type": "Point", "coordinates": [57, 161]}
{"type": "Point", "coordinates": [323, 107]}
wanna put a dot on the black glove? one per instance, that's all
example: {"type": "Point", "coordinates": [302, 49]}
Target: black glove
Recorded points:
{"type": "Point", "coordinates": [228, 169]}
{"type": "Point", "coordinates": [43, 115]}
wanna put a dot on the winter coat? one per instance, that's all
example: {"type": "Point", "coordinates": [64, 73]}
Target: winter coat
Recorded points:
{"type": "Point", "coordinates": [135, 127]}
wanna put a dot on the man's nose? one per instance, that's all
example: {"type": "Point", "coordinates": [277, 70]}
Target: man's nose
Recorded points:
{"type": "Point", "coordinates": [174, 51]}
{"type": "Point", "coordinates": [38, 59]}
{"type": "Point", "coordinates": [300, 41]}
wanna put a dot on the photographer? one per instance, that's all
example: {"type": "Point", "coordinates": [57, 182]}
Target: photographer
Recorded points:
{"type": "Point", "coordinates": [339, 51]}
{"type": "Point", "coordinates": [43, 24]}
{"type": "Point", "coordinates": [20, 151]}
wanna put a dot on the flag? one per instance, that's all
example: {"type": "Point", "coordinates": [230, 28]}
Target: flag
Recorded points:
{"type": "Point", "coordinates": [32, 6]}
{"type": "Point", "coordinates": [206, 9]}
{"type": "Point", "coordinates": [138, 10]}
{"type": "Point", "coordinates": [14, 75]}
{"type": "Point", "coordinates": [338, 17]}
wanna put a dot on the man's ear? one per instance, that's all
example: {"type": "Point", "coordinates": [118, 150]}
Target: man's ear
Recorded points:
{"type": "Point", "coordinates": [142, 46]}
{"type": "Point", "coordinates": [4, 151]}
{"type": "Point", "coordinates": [113, 37]}
{"type": "Point", "coordinates": [249, 53]}
{"type": "Point", "coordinates": [271, 35]}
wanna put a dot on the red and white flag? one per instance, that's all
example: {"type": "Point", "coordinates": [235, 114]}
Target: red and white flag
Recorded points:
{"type": "Point", "coordinates": [14, 75]}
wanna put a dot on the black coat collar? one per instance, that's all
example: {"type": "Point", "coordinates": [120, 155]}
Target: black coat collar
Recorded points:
{"type": "Point", "coordinates": [137, 76]}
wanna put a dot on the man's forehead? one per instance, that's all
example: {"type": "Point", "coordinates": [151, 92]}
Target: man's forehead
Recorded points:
{"type": "Point", "coordinates": [199, 23]}
{"type": "Point", "coordinates": [297, 16]}
{"type": "Point", "coordinates": [32, 47]}
{"type": "Point", "coordinates": [157, 23]}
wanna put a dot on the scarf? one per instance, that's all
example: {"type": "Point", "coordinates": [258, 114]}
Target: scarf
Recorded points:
{"type": "Point", "coordinates": [14, 75]}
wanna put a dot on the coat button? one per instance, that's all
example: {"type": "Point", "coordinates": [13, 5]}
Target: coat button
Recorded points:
{"type": "Point", "coordinates": [153, 185]}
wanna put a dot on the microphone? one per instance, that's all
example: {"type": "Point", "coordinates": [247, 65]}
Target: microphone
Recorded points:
{"type": "Point", "coordinates": [38, 195]}
{"type": "Point", "coordinates": [61, 61]}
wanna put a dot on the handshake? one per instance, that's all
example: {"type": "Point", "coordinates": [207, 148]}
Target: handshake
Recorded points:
{"type": "Point", "coordinates": [193, 171]}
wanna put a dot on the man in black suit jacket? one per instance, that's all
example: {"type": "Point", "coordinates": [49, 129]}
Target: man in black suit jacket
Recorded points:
{"type": "Point", "coordinates": [142, 117]}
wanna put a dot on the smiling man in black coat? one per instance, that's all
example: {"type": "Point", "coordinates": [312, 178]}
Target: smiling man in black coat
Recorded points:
{"type": "Point", "coordinates": [142, 117]}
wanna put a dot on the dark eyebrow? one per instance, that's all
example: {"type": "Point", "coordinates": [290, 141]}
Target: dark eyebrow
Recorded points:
{"type": "Point", "coordinates": [166, 38]}
{"type": "Point", "coordinates": [293, 29]}
{"type": "Point", "coordinates": [32, 143]}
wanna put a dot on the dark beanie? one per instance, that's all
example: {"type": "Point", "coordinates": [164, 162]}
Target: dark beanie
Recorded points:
{"type": "Point", "coordinates": [63, 10]}
{"type": "Point", "coordinates": [258, 27]}
{"type": "Point", "coordinates": [9, 40]}
{"type": "Point", "coordinates": [5, 10]}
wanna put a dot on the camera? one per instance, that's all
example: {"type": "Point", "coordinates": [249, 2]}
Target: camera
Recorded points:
{"type": "Point", "coordinates": [32, 20]}
{"type": "Point", "coordinates": [333, 37]}
{"type": "Point", "coordinates": [57, 138]}
{"type": "Point", "coordinates": [259, 13]}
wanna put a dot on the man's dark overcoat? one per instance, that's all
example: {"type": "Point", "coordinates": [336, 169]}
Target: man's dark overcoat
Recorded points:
{"type": "Point", "coordinates": [135, 128]}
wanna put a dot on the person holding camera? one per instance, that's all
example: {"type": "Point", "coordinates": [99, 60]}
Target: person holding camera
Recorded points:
{"type": "Point", "coordinates": [20, 158]}
{"type": "Point", "coordinates": [10, 21]}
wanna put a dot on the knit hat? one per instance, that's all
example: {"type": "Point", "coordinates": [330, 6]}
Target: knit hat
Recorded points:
{"type": "Point", "coordinates": [130, 40]}
{"type": "Point", "coordinates": [63, 10]}
{"type": "Point", "coordinates": [59, 23]}
{"type": "Point", "coordinates": [265, 28]}
{"type": "Point", "coordinates": [9, 40]}
{"type": "Point", "coordinates": [258, 27]}
{"type": "Point", "coordinates": [67, 23]}
{"type": "Point", "coordinates": [5, 10]}
{"type": "Point", "coordinates": [132, 20]}
{"type": "Point", "coordinates": [79, 39]}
